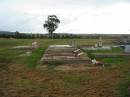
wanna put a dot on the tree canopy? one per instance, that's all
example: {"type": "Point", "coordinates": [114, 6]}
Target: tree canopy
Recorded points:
{"type": "Point", "coordinates": [51, 24]}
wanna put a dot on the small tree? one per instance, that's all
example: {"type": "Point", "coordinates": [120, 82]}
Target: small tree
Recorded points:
{"type": "Point", "coordinates": [17, 34]}
{"type": "Point", "coordinates": [51, 24]}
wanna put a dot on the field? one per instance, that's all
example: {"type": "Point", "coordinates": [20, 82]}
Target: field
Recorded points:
{"type": "Point", "coordinates": [20, 77]}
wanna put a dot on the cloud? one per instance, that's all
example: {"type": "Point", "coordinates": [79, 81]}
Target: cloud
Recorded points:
{"type": "Point", "coordinates": [79, 16]}
{"type": "Point", "coordinates": [107, 19]}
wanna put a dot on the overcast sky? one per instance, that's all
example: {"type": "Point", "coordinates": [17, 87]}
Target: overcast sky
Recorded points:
{"type": "Point", "coordinates": [77, 16]}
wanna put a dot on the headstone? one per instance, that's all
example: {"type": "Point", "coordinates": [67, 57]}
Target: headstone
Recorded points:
{"type": "Point", "coordinates": [34, 44]}
{"type": "Point", "coordinates": [127, 48]}
{"type": "Point", "coordinates": [77, 50]}
{"type": "Point", "coordinates": [80, 54]}
{"type": "Point", "coordinates": [28, 53]}
{"type": "Point", "coordinates": [94, 61]}
{"type": "Point", "coordinates": [96, 45]}
{"type": "Point", "coordinates": [100, 42]}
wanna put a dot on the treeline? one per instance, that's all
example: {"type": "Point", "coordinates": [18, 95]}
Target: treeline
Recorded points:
{"type": "Point", "coordinates": [18, 35]}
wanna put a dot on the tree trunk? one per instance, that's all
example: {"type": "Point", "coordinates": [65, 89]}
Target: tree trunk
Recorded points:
{"type": "Point", "coordinates": [51, 35]}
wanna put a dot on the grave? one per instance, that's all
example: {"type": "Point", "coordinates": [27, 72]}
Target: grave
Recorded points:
{"type": "Point", "coordinates": [64, 54]}
{"type": "Point", "coordinates": [34, 45]}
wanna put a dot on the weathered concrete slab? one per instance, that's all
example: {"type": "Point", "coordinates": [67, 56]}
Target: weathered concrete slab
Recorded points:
{"type": "Point", "coordinates": [64, 54]}
{"type": "Point", "coordinates": [34, 45]}
{"type": "Point", "coordinates": [62, 46]}
{"type": "Point", "coordinates": [23, 47]}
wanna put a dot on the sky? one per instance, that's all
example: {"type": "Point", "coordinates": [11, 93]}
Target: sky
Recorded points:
{"type": "Point", "coordinates": [76, 16]}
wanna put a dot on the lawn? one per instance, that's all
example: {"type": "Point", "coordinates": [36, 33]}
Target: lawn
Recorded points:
{"type": "Point", "coordinates": [20, 77]}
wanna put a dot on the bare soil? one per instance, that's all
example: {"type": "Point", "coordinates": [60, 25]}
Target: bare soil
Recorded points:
{"type": "Point", "coordinates": [19, 81]}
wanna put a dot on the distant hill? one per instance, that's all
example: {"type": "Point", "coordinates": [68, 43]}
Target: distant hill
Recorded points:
{"type": "Point", "coordinates": [7, 33]}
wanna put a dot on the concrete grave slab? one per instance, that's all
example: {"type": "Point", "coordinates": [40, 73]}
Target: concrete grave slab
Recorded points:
{"type": "Point", "coordinates": [64, 54]}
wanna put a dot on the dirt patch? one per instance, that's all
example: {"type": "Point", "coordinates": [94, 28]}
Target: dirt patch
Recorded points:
{"type": "Point", "coordinates": [42, 67]}
{"type": "Point", "coordinates": [73, 68]}
{"type": "Point", "coordinates": [19, 81]}
{"type": "Point", "coordinates": [69, 67]}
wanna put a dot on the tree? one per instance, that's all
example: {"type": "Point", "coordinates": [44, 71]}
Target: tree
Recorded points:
{"type": "Point", "coordinates": [17, 34]}
{"type": "Point", "coordinates": [51, 24]}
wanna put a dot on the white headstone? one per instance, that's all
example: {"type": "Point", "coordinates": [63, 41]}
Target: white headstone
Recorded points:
{"type": "Point", "coordinates": [34, 44]}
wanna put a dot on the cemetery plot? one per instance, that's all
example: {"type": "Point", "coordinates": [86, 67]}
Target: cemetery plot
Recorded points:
{"type": "Point", "coordinates": [34, 45]}
{"type": "Point", "coordinates": [64, 54]}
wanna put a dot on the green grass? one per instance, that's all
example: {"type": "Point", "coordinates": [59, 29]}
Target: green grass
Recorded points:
{"type": "Point", "coordinates": [110, 60]}
{"type": "Point", "coordinates": [3, 67]}
{"type": "Point", "coordinates": [118, 62]}
{"type": "Point", "coordinates": [123, 88]}
{"type": "Point", "coordinates": [125, 81]}
{"type": "Point", "coordinates": [67, 80]}
{"type": "Point", "coordinates": [32, 61]}
{"type": "Point", "coordinates": [90, 54]}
